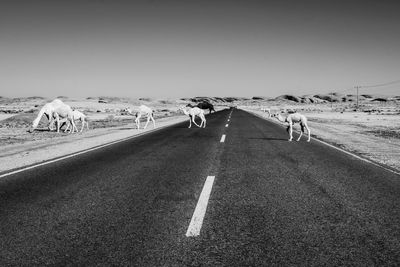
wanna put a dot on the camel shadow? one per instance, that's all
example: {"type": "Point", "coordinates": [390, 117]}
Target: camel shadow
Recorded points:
{"type": "Point", "coordinates": [127, 128]}
{"type": "Point", "coordinates": [41, 130]}
{"type": "Point", "coordinates": [269, 138]}
{"type": "Point", "coordinates": [45, 130]}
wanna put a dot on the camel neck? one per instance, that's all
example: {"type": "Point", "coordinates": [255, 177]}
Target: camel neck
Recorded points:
{"type": "Point", "coordinates": [282, 119]}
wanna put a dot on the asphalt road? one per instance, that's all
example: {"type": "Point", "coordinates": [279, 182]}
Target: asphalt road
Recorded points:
{"type": "Point", "coordinates": [273, 202]}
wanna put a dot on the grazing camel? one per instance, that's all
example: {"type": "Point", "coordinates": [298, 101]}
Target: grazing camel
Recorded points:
{"type": "Point", "coordinates": [267, 110]}
{"type": "Point", "coordinates": [292, 119]}
{"type": "Point", "coordinates": [192, 113]}
{"type": "Point", "coordinates": [53, 111]}
{"type": "Point", "coordinates": [143, 110]}
{"type": "Point", "coordinates": [77, 115]}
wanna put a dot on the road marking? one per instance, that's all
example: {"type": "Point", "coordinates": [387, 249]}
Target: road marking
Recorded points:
{"type": "Point", "coordinates": [356, 156]}
{"type": "Point", "coordinates": [222, 138]}
{"type": "Point", "coordinates": [227, 125]}
{"type": "Point", "coordinates": [338, 148]}
{"type": "Point", "coordinates": [228, 119]}
{"type": "Point", "coordinates": [201, 207]}
{"type": "Point", "coordinates": [83, 151]}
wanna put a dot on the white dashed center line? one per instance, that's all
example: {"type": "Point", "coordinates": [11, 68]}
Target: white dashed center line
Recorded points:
{"type": "Point", "coordinates": [223, 138]}
{"type": "Point", "coordinates": [227, 125]}
{"type": "Point", "coordinates": [200, 211]}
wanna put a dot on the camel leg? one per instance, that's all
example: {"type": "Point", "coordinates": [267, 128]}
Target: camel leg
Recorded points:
{"type": "Point", "coordinates": [148, 120]}
{"type": "Point", "coordinates": [137, 123]}
{"type": "Point", "coordinates": [51, 122]}
{"type": "Point", "coordinates": [73, 127]}
{"type": "Point", "coordinates": [190, 121]}
{"type": "Point", "coordinates": [83, 124]}
{"type": "Point", "coordinates": [139, 115]}
{"type": "Point", "coordinates": [58, 123]}
{"type": "Point", "coordinates": [69, 124]}
{"type": "Point", "coordinates": [201, 123]}
{"type": "Point", "coordinates": [195, 121]}
{"type": "Point", "coordinates": [301, 131]}
{"type": "Point", "coordinates": [203, 120]}
{"type": "Point", "coordinates": [61, 123]}
{"type": "Point", "coordinates": [290, 132]}
{"type": "Point", "coordinates": [154, 122]}
{"type": "Point", "coordinates": [309, 133]}
{"type": "Point", "coordinates": [76, 128]}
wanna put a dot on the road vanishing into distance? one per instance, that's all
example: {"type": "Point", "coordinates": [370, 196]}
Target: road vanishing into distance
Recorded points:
{"type": "Point", "coordinates": [236, 193]}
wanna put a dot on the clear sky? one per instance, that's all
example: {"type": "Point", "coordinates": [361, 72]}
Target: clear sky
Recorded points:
{"type": "Point", "coordinates": [185, 48]}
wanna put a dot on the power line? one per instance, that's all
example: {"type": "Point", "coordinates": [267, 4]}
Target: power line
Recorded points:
{"type": "Point", "coordinates": [380, 85]}
{"type": "Point", "coordinates": [374, 86]}
{"type": "Point", "coordinates": [345, 90]}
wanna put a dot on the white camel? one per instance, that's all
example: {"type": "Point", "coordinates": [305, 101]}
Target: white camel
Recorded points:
{"type": "Point", "coordinates": [77, 115]}
{"type": "Point", "coordinates": [143, 110]}
{"type": "Point", "coordinates": [292, 119]}
{"type": "Point", "coordinates": [266, 110]}
{"type": "Point", "coordinates": [192, 113]}
{"type": "Point", "coordinates": [53, 111]}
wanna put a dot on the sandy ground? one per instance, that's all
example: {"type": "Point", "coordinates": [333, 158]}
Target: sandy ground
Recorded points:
{"type": "Point", "coordinates": [370, 135]}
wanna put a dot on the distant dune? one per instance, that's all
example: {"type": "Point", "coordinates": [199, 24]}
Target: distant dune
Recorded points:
{"type": "Point", "coordinates": [198, 99]}
{"type": "Point", "coordinates": [35, 101]}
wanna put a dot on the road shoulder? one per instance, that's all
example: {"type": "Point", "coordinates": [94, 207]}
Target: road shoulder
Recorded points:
{"type": "Point", "coordinates": [20, 155]}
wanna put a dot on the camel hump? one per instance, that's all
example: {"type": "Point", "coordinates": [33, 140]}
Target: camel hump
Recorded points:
{"type": "Point", "coordinates": [57, 101]}
{"type": "Point", "coordinates": [144, 108]}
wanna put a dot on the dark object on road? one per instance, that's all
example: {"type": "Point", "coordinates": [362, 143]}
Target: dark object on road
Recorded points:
{"type": "Point", "coordinates": [203, 105]}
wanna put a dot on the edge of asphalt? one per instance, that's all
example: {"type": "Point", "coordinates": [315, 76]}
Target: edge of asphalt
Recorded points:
{"type": "Point", "coordinates": [30, 165]}
{"type": "Point", "coordinates": [22, 167]}
{"type": "Point", "coordinates": [387, 168]}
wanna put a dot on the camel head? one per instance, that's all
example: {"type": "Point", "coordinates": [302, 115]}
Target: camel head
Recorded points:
{"type": "Point", "coordinates": [183, 108]}
{"type": "Point", "coordinates": [34, 125]}
{"type": "Point", "coordinates": [276, 115]}
{"type": "Point", "coordinates": [128, 110]}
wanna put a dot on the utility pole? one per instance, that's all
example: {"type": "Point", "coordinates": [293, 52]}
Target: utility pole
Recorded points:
{"type": "Point", "coordinates": [357, 87]}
